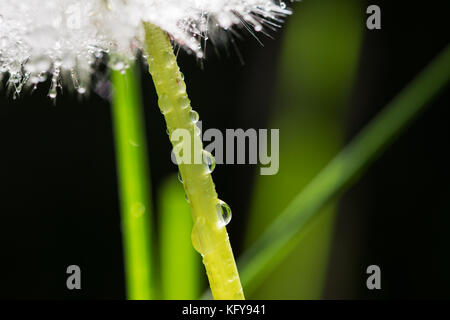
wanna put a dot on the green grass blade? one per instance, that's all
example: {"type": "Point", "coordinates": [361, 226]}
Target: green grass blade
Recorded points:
{"type": "Point", "coordinates": [180, 263]}
{"type": "Point", "coordinates": [276, 241]}
{"type": "Point", "coordinates": [134, 189]}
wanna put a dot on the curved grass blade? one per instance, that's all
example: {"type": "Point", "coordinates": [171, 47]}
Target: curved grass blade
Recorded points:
{"type": "Point", "coordinates": [313, 89]}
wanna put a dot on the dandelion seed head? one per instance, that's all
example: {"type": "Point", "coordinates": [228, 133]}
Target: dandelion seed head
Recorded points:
{"type": "Point", "coordinates": [64, 39]}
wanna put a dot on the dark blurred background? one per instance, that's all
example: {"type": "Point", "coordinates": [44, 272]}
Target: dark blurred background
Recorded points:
{"type": "Point", "coordinates": [321, 79]}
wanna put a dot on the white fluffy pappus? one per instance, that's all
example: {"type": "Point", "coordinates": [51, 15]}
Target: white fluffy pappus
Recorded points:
{"type": "Point", "coordinates": [65, 38]}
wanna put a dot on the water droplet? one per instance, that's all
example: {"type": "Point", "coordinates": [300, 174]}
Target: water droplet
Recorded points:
{"type": "Point", "coordinates": [208, 161]}
{"type": "Point", "coordinates": [224, 212]}
{"type": "Point", "coordinates": [169, 59]}
{"type": "Point", "coordinates": [164, 103]}
{"type": "Point", "coordinates": [42, 77]}
{"type": "Point", "coordinates": [182, 76]}
{"type": "Point", "coordinates": [34, 79]}
{"type": "Point", "coordinates": [52, 93]}
{"type": "Point", "coordinates": [179, 177]}
{"type": "Point", "coordinates": [54, 85]}
{"type": "Point", "coordinates": [195, 235]}
{"type": "Point", "coordinates": [38, 64]}
{"type": "Point", "coordinates": [118, 65]}
{"type": "Point", "coordinates": [137, 209]}
{"type": "Point", "coordinates": [194, 116]}
{"type": "Point", "coordinates": [133, 143]}
{"type": "Point", "coordinates": [184, 101]}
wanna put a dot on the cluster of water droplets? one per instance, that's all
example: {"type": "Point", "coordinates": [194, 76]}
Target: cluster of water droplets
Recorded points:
{"type": "Point", "coordinates": [62, 40]}
{"type": "Point", "coordinates": [191, 22]}
{"type": "Point", "coordinates": [57, 40]}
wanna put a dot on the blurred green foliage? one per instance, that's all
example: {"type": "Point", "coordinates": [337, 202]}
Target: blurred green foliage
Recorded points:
{"type": "Point", "coordinates": [180, 264]}
{"type": "Point", "coordinates": [316, 73]}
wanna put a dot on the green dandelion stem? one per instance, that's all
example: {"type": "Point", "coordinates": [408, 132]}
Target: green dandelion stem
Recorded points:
{"type": "Point", "coordinates": [134, 189]}
{"type": "Point", "coordinates": [209, 235]}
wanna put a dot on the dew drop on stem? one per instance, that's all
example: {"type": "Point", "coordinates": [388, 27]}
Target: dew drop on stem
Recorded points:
{"type": "Point", "coordinates": [194, 116]}
{"type": "Point", "coordinates": [196, 239]}
{"type": "Point", "coordinates": [224, 213]}
{"type": "Point", "coordinates": [208, 161]}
